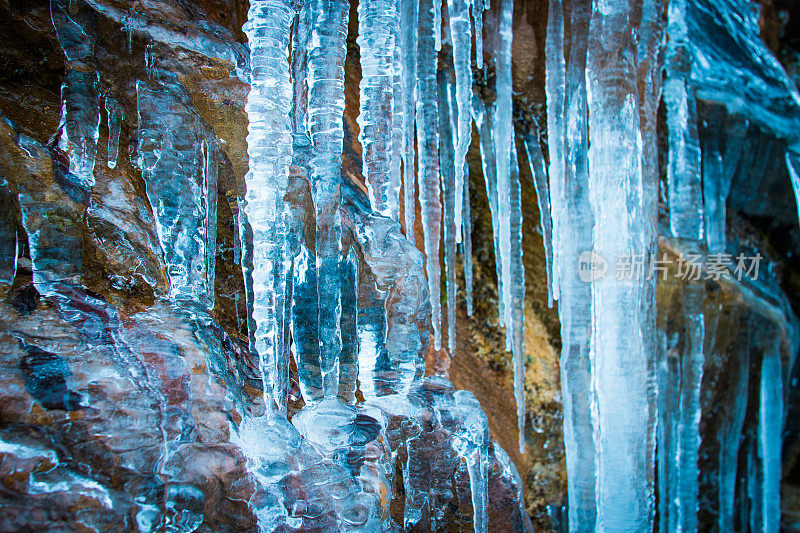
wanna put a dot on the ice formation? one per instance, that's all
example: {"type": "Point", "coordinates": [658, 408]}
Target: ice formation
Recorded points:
{"type": "Point", "coordinates": [336, 282]}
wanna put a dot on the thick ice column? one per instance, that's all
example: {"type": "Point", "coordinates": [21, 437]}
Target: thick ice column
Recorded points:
{"type": "Point", "coordinates": [428, 155]}
{"type": "Point", "coordinates": [619, 325]}
{"type": "Point", "coordinates": [177, 155]}
{"type": "Point", "coordinates": [325, 110]}
{"type": "Point", "coordinates": [503, 135]}
{"type": "Point", "coordinates": [573, 224]}
{"type": "Point", "coordinates": [461, 37]}
{"type": "Point", "coordinates": [376, 27]}
{"type": "Point", "coordinates": [409, 24]}
{"type": "Point", "coordinates": [269, 145]}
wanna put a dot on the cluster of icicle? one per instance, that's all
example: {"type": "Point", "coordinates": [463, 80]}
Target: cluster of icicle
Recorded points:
{"type": "Point", "coordinates": [603, 93]}
{"type": "Point", "coordinates": [402, 92]}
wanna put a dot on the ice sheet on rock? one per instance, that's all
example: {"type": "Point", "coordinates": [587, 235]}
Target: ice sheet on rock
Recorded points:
{"type": "Point", "coordinates": [409, 38]}
{"type": "Point", "coordinates": [51, 209]}
{"type": "Point", "coordinates": [428, 157]}
{"type": "Point", "coordinates": [9, 246]}
{"type": "Point", "coordinates": [393, 306]}
{"type": "Point", "coordinates": [196, 35]}
{"type": "Point", "coordinates": [377, 20]}
{"type": "Point", "coordinates": [325, 111]}
{"type": "Point", "coordinates": [178, 157]}
{"type": "Point", "coordinates": [115, 115]}
{"type": "Point", "coordinates": [621, 373]}
{"type": "Point", "coordinates": [733, 65]}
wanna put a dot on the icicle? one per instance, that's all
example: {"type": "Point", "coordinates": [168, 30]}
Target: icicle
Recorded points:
{"type": "Point", "coordinates": [793, 165]}
{"type": "Point", "coordinates": [461, 37]}
{"type": "Point", "coordinates": [536, 162]}
{"type": "Point", "coordinates": [770, 429]}
{"type": "Point", "coordinates": [305, 327]}
{"type": "Point", "coordinates": [325, 111]}
{"type": "Point", "coordinates": [729, 438]}
{"type": "Point", "coordinates": [269, 147]}
{"type": "Point", "coordinates": [477, 20]}
{"type": "Point", "coordinates": [115, 114]}
{"type": "Point", "coordinates": [428, 154]}
{"type": "Point", "coordinates": [624, 491]}
{"type": "Point", "coordinates": [437, 24]}
{"type": "Point", "coordinates": [688, 429]}
{"type": "Point", "coordinates": [466, 243]}
{"type": "Point", "coordinates": [686, 222]}
{"type": "Point", "coordinates": [503, 134]}
{"type": "Point", "coordinates": [517, 303]}
{"type": "Point", "coordinates": [446, 149]}
{"type": "Point", "coordinates": [301, 32]}
{"type": "Point", "coordinates": [376, 22]}
{"type": "Point", "coordinates": [474, 444]}
{"type": "Point", "coordinates": [683, 170]}
{"type": "Point", "coordinates": [483, 119]}
{"type": "Point", "coordinates": [572, 235]}
{"type": "Point", "coordinates": [348, 361]}
{"type": "Point", "coordinates": [398, 146]}
{"type": "Point", "coordinates": [555, 83]}
{"type": "Point", "coordinates": [409, 24]}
